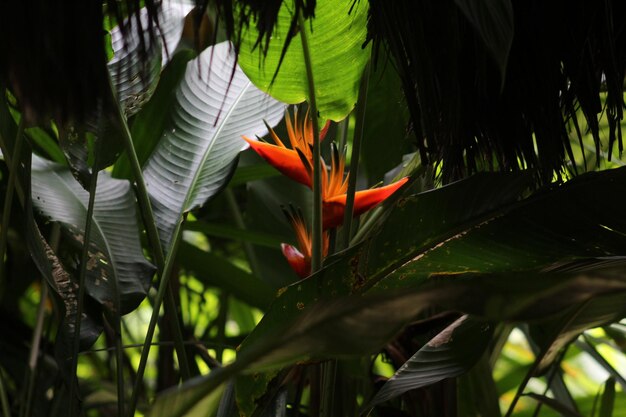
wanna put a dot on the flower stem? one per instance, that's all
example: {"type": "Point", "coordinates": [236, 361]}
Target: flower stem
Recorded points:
{"type": "Point", "coordinates": [93, 184]}
{"type": "Point", "coordinates": [4, 398]}
{"type": "Point", "coordinates": [157, 252]}
{"type": "Point", "coordinates": [354, 159]}
{"type": "Point", "coordinates": [342, 132]}
{"type": "Point", "coordinates": [316, 256]}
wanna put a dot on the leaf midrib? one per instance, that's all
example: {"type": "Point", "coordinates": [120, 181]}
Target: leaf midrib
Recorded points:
{"type": "Point", "coordinates": [200, 165]}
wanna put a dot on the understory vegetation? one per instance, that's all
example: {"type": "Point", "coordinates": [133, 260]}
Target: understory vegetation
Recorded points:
{"type": "Point", "coordinates": [300, 208]}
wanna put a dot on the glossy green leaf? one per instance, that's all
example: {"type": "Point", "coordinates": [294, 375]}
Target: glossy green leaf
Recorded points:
{"type": "Point", "coordinates": [493, 21]}
{"type": "Point", "coordinates": [43, 140]}
{"type": "Point", "coordinates": [214, 108]}
{"type": "Point", "coordinates": [336, 36]}
{"type": "Point", "coordinates": [148, 124]}
{"type": "Point", "coordinates": [64, 292]}
{"type": "Point", "coordinates": [115, 250]}
{"type": "Point", "coordinates": [449, 354]}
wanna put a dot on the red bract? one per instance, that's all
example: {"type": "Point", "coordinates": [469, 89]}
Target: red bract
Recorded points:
{"type": "Point", "coordinates": [299, 258]}
{"type": "Point", "coordinates": [298, 262]}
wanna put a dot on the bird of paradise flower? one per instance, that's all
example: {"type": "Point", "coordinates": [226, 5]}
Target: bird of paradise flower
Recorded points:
{"type": "Point", "coordinates": [297, 163]}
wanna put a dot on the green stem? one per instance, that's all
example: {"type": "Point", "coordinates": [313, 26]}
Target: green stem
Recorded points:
{"type": "Point", "coordinates": [143, 197]}
{"type": "Point", "coordinates": [354, 159]}
{"type": "Point", "coordinates": [179, 343]}
{"type": "Point", "coordinates": [342, 129]}
{"type": "Point", "coordinates": [163, 287]}
{"type": "Point", "coordinates": [93, 183]}
{"type": "Point", "coordinates": [4, 399]}
{"type": "Point", "coordinates": [8, 198]}
{"type": "Point", "coordinates": [149, 222]}
{"type": "Point", "coordinates": [221, 325]}
{"type": "Point", "coordinates": [316, 256]}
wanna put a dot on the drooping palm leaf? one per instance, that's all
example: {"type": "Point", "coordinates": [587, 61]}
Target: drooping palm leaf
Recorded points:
{"type": "Point", "coordinates": [115, 250]}
{"type": "Point", "coordinates": [193, 159]}
{"type": "Point", "coordinates": [464, 118]}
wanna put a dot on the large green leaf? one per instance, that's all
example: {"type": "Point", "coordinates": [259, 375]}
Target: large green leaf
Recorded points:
{"type": "Point", "coordinates": [64, 292]}
{"type": "Point", "coordinates": [214, 108]}
{"type": "Point", "coordinates": [115, 250]}
{"type": "Point", "coordinates": [449, 354]}
{"type": "Point", "coordinates": [148, 124]}
{"type": "Point", "coordinates": [336, 36]}
{"type": "Point", "coordinates": [360, 324]}
{"type": "Point", "coordinates": [471, 246]}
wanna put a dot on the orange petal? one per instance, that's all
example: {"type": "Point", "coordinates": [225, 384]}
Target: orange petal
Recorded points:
{"type": "Point", "coordinates": [296, 260]}
{"type": "Point", "coordinates": [284, 160]}
{"type": "Point", "coordinates": [334, 207]}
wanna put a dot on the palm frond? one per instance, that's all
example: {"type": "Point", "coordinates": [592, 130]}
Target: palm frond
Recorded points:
{"type": "Point", "coordinates": [464, 115]}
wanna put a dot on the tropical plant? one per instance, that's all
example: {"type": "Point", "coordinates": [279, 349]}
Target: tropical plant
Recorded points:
{"type": "Point", "coordinates": [285, 224]}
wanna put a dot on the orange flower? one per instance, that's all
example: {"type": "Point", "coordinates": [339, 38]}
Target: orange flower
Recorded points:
{"type": "Point", "coordinates": [297, 164]}
{"type": "Point", "coordinates": [300, 258]}
{"type": "Point", "coordinates": [334, 190]}
{"type": "Point", "coordinates": [287, 160]}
